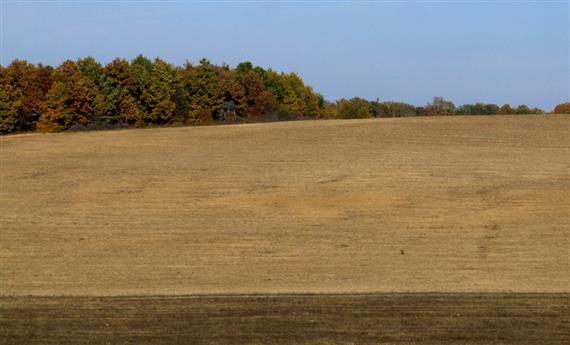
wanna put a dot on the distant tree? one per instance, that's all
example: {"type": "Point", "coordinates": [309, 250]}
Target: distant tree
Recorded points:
{"type": "Point", "coordinates": [465, 109]}
{"type": "Point", "coordinates": [375, 108]}
{"type": "Point", "coordinates": [421, 111]}
{"type": "Point", "coordinates": [205, 94]}
{"type": "Point", "coordinates": [293, 102]}
{"type": "Point", "coordinates": [38, 82]}
{"type": "Point", "coordinates": [130, 110]}
{"type": "Point", "coordinates": [119, 71]}
{"type": "Point", "coordinates": [329, 110]}
{"type": "Point", "coordinates": [71, 99]}
{"type": "Point", "coordinates": [353, 109]}
{"type": "Point", "coordinates": [242, 69]}
{"type": "Point", "coordinates": [491, 109]}
{"type": "Point", "coordinates": [144, 92]}
{"type": "Point", "coordinates": [120, 88]}
{"type": "Point", "coordinates": [321, 100]}
{"type": "Point", "coordinates": [276, 84]}
{"type": "Point", "coordinates": [440, 106]}
{"type": "Point", "coordinates": [234, 92]}
{"type": "Point", "coordinates": [91, 69]}
{"type": "Point", "coordinates": [143, 63]}
{"type": "Point", "coordinates": [312, 103]}
{"type": "Point", "coordinates": [30, 83]}
{"type": "Point", "coordinates": [505, 110]}
{"type": "Point", "coordinates": [11, 100]}
{"type": "Point", "coordinates": [477, 109]}
{"type": "Point", "coordinates": [562, 108]}
{"type": "Point", "coordinates": [158, 97]}
{"type": "Point", "coordinates": [105, 104]}
{"type": "Point", "coordinates": [140, 72]}
{"type": "Point", "coordinates": [259, 100]}
{"type": "Point", "coordinates": [392, 109]}
{"type": "Point", "coordinates": [181, 104]}
{"type": "Point", "coordinates": [522, 110]}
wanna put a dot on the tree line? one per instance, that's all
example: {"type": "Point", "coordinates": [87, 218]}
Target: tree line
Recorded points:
{"type": "Point", "coordinates": [362, 108]}
{"type": "Point", "coordinates": [85, 94]}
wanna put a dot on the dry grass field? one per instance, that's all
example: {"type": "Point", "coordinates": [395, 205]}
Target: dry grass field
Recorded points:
{"type": "Point", "coordinates": [408, 205]}
{"type": "Point", "coordinates": [417, 205]}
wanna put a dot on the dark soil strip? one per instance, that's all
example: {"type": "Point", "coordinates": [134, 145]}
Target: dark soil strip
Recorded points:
{"type": "Point", "coordinates": [288, 319]}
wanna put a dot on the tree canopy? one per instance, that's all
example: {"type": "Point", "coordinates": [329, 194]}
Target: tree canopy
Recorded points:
{"type": "Point", "coordinates": [145, 92]}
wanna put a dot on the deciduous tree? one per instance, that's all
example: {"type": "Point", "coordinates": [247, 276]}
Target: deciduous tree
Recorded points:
{"type": "Point", "coordinates": [160, 93]}
{"type": "Point", "coordinates": [506, 110]}
{"type": "Point", "coordinates": [11, 100]}
{"type": "Point", "coordinates": [562, 108]}
{"type": "Point", "coordinates": [259, 100]}
{"type": "Point", "coordinates": [440, 106]}
{"type": "Point", "coordinates": [353, 109]}
{"type": "Point", "coordinates": [71, 99]}
{"type": "Point", "coordinates": [205, 94]}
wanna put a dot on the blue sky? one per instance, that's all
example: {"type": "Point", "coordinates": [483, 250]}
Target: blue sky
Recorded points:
{"type": "Point", "coordinates": [499, 52]}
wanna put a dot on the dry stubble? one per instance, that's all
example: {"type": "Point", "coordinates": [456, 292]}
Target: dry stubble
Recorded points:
{"type": "Point", "coordinates": [411, 205]}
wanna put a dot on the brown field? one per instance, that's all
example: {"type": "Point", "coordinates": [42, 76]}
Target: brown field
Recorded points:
{"type": "Point", "coordinates": [484, 319]}
{"type": "Point", "coordinates": [406, 205]}
{"type": "Point", "coordinates": [472, 206]}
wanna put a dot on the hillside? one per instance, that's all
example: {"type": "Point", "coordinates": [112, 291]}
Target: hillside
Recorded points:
{"type": "Point", "coordinates": [442, 204]}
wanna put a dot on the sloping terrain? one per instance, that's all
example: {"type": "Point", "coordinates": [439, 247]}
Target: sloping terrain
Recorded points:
{"type": "Point", "coordinates": [418, 231]}
{"type": "Point", "coordinates": [448, 204]}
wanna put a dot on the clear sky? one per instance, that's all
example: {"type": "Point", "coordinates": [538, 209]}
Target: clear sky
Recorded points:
{"type": "Point", "coordinates": [499, 52]}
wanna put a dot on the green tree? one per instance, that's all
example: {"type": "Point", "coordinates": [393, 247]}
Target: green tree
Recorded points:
{"type": "Point", "coordinates": [312, 103]}
{"type": "Point", "coordinates": [205, 94]}
{"type": "Point", "coordinates": [392, 109]}
{"type": "Point", "coordinates": [355, 108]}
{"type": "Point", "coordinates": [242, 69]}
{"type": "Point", "coordinates": [182, 106]}
{"type": "Point", "coordinates": [522, 110]}
{"type": "Point", "coordinates": [11, 100]}
{"type": "Point", "coordinates": [294, 100]}
{"type": "Point", "coordinates": [140, 74]}
{"type": "Point", "coordinates": [119, 88]}
{"type": "Point", "coordinates": [160, 93]}
{"type": "Point", "coordinates": [106, 99]}
{"type": "Point", "coordinates": [276, 84]}
{"type": "Point", "coordinates": [119, 72]}
{"type": "Point", "coordinates": [477, 109]}
{"type": "Point", "coordinates": [91, 69]}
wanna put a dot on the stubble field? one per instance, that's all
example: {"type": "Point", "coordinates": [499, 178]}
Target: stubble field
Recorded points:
{"type": "Point", "coordinates": [441, 205]}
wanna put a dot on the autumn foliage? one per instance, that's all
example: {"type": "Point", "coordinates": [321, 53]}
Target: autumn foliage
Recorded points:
{"type": "Point", "coordinates": [563, 108]}
{"type": "Point", "coordinates": [86, 94]}
{"type": "Point", "coordinates": [142, 92]}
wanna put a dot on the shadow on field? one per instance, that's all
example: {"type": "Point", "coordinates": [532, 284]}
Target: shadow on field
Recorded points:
{"type": "Point", "coordinates": [288, 319]}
